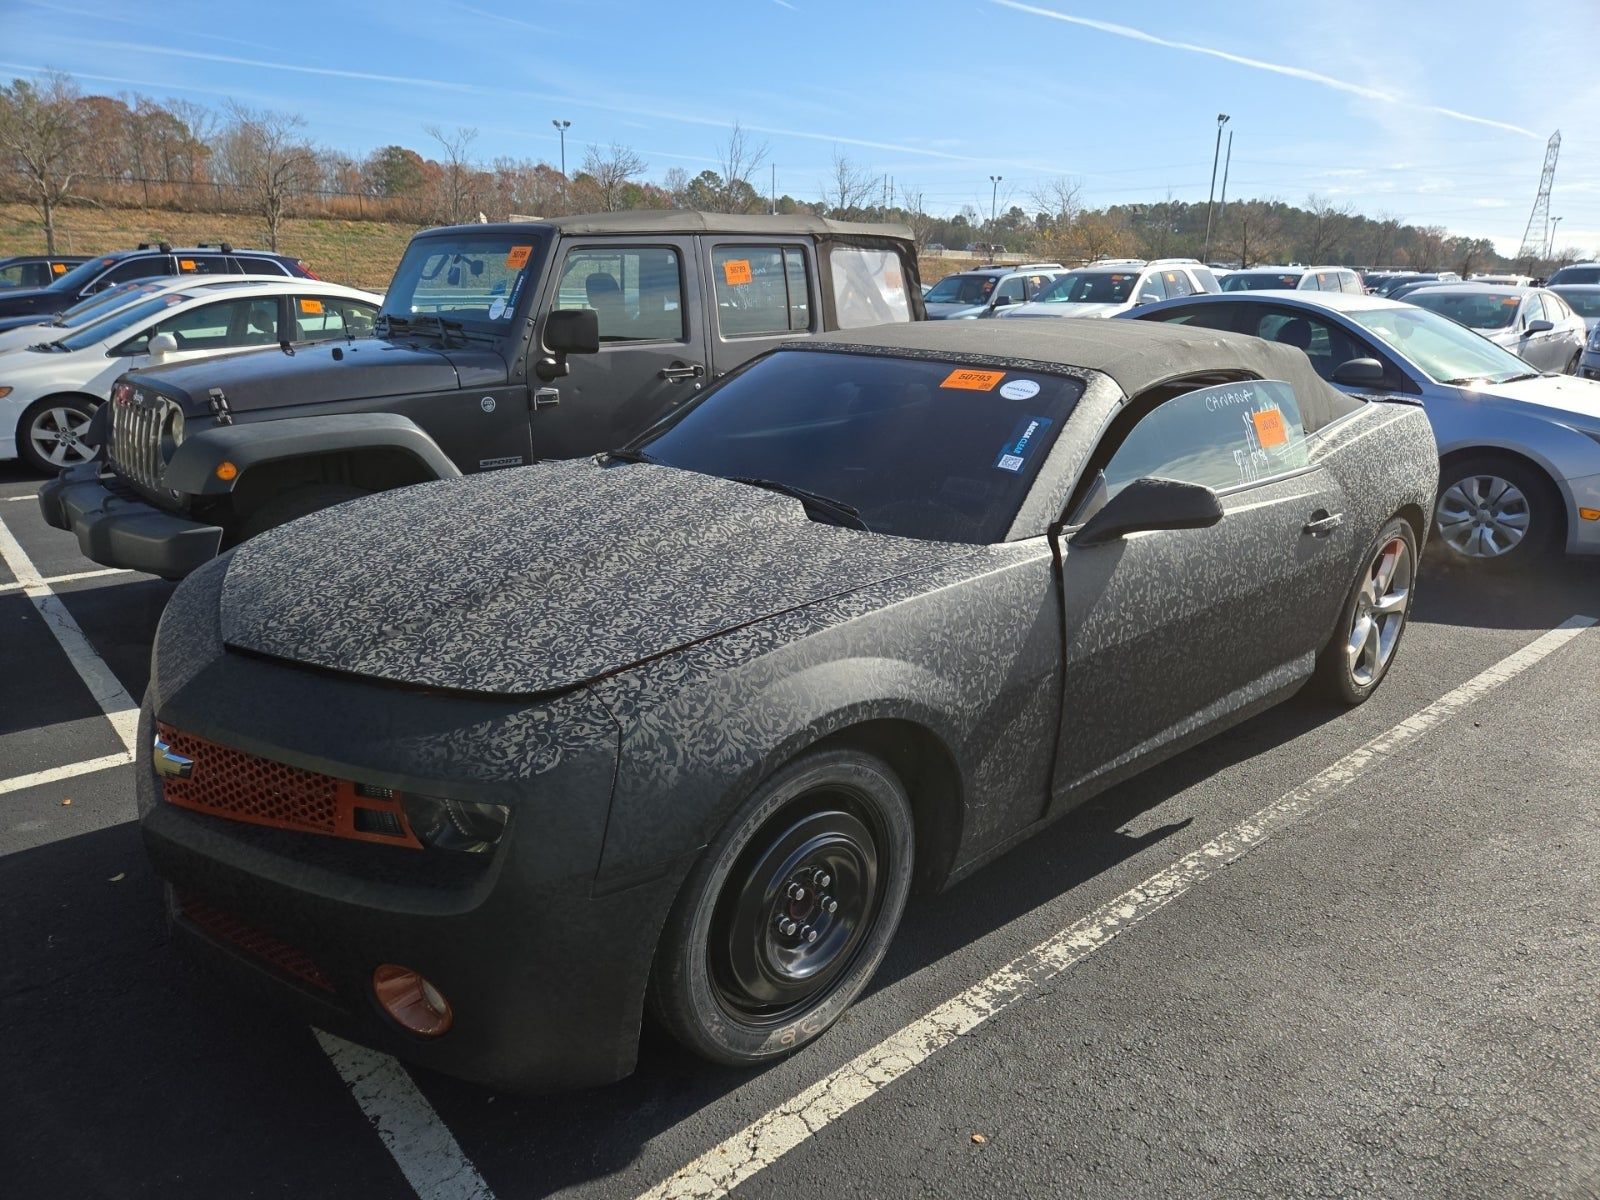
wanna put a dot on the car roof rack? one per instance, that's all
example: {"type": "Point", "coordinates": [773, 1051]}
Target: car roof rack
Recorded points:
{"type": "Point", "coordinates": [225, 247]}
{"type": "Point", "coordinates": [164, 247]}
{"type": "Point", "coordinates": [1118, 262]}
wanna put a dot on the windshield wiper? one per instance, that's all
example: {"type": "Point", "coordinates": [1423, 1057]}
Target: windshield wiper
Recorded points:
{"type": "Point", "coordinates": [842, 513]}
{"type": "Point", "coordinates": [442, 327]}
{"type": "Point", "coordinates": [1513, 378]}
{"type": "Point", "coordinates": [623, 455]}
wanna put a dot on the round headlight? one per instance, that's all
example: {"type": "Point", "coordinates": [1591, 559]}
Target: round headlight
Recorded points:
{"type": "Point", "coordinates": [177, 427]}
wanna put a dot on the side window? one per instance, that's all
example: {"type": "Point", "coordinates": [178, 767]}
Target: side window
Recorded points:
{"type": "Point", "coordinates": [1221, 437]}
{"type": "Point", "coordinates": [1325, 345]}
{"type": "Point", "coordinates": [260, 266]}
{"type": "Point", "coordinates": [1032, 285]}
{"type": "Point", "coordinates": [1013, 289]}
{"type": "Point", "coordinates": [1533, 309]}
{"type": "Point", "coordinates": [27, 275]}
{"type": "Point", "coordinates": [1205, 316]}
{"type": "Point", "coordinates": [1327, 281]}
{"type": "Point", "coordinates": [135, 268]}
{"type": "Point", "coordinates": [225, 325]}
{"type": "Point", "coordinates": [320, 319]}
{"type": "Point", "coordinates": [760, 289]}
{"type": "Point", "coordinates": [637, 290]}
{"type": "Point", "coordinates": [1176, 284]}
{"type": "Point", "coordinates": [1555, 308]}
{"type": "Point", "coordinates": [1351, 283]}
{"type": "Point", "coordinates": [1206, 280]}
{"type": "Point", "coordinates": [1150, 288]}
{"type": "Point", "coordinates": [869, 287]}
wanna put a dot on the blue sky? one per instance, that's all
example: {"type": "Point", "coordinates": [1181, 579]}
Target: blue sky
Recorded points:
{"type": "Point", "coordinates": [1435, 112]}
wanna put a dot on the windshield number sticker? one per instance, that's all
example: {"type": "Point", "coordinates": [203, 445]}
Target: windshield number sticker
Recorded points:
{"type": "Point", "coordinates": [518, 258]}
{"type": "Point", "coordinates": [1018, 446]}
{"type": "Point", "coordinates": [311, 306]}
{"type": "Point", "coordinates": [973, 381]}
{"type": "Point", "coordinates": [736, 271]}
{"type": "Point", "coordinates": [1270, 429]}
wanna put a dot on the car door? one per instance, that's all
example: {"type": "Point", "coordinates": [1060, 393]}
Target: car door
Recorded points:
{"type": "Point", "coordinates": [1569, 334]}
{"type": "Point", "coordinates": [220, 327]}
{"type": "Point", "coordinates": [1168, 633]}
{"type": "Point", "coordinates": [1534, 347]}
{"type": "Point", "coordinates": [652, 355]}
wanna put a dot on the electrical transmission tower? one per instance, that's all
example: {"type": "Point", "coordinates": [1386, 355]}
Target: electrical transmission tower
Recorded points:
{"type": "Point", "coordinates": [1539, 220]}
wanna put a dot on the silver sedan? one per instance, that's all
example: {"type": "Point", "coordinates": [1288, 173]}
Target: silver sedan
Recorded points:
{"type": "Point", "coordinates": [1519, 450]}
{"type": "Point", "coordinates": [1535, 324]}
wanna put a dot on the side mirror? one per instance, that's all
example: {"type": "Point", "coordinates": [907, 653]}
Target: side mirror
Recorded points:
{"type": "Point", "coordinates": [1146, 298]}
{"type": "Point", "coordinates": [1359, 372]}
{"type": "Point", "coordinates": [162, 345]}
{"type": "Point", "coordinates": [567, 331]}
{"type": "Point", "coordinates": [1151, 504]}
{"type": "Point", "coordinates": [1002, 301]}
{"type": "Point", "coordinates": [1539, 327]}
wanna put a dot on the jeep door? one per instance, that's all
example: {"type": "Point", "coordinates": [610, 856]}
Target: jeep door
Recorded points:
{"type": "Point", "coordinates": [652, 342]}
{"type": "Point", "coordinates": [762, 291]}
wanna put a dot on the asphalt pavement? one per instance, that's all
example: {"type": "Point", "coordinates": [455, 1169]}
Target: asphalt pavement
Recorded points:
{"type": "Point", "coordinates": [1332, 952]}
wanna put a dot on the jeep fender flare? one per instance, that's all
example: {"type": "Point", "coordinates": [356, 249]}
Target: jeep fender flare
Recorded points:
{"type": "Point", "coordinates": [193, 469]}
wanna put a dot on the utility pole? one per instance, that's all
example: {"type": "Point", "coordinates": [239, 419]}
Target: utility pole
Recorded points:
{"type": "Point", "coordinates": [1222, 203]}
{"type": "Point", "coordinates": [561, 128]}
{"type": "Point", "coordinates": [774, 189]}
{"type": "Point", "coordinates": [1550, 244]}
{"type": "Point", "coordinates": [994, 192]}
{"type": "Point", "coordinates": [1216, 154]}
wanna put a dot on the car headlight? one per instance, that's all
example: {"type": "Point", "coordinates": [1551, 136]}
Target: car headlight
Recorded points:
{"type": "Point", "coordinates": [1594, 344]}
{"type": "Point", "coordinates": [177, 427]}
{"type": "Point", "coordinates": [463, 825]}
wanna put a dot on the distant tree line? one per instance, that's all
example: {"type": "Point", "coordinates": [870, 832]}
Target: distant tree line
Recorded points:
{"type": "Point", "coordinates": [60, 147]}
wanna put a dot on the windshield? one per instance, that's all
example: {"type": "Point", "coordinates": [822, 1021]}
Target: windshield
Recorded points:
{"type": "Point", "coordinates": [1443, 350]}
{"type": "Point", "coordinates": [920, 449]}
{"type": "Point", "coordinates": [101, 303]}
{"type": "Point", "coordinates": [1585, 301]}
{"type": "Point", "coordinates": [1475, 310]}
{"type": "Point", "coordinates": [1260, 281]}
{"type": "Point", "coordinates": [1389, 285]}
{"type": "Point", "coordinates": [80, 275]}
{"type": "Point", "coordinates": [474, 278]}
{"type": "Point", "coordinates": [1576, 275]}
{"type": "Point", "coordinates": [961, 289]}
{"type": "Point", "coordinates": [1090, 287]}
{"type": "Point", "coordinates": [126, 318]}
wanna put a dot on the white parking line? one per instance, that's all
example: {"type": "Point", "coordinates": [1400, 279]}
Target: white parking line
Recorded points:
{"type": "Point", "coordinates": [73, 577]}
{"type": "Point", "coordinates": [14, 499]}
{"type": "Point", "coordinates": [767, 1139]}
{"type": "Point", "coordinates": [425, 1150]}
{"type": "Point", "coordinates": [108, 692]}
{"type": "Point", "coordinates": [19, 783]}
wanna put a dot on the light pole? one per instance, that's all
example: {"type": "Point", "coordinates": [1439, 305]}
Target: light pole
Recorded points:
{"type": "Point", "coordinates": [561, 128]}
{"type": "Point", "coordinates": [1222, 119]}
{"type": "Point", "coordinates": [1550, 243]}
{"type": "Point", "coordinates": [994, 192]}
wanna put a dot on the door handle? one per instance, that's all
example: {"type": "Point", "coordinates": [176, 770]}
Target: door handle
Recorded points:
{"type": "Point", "coordinates": [544, 397]}
{"type": "Point", "coordinates": [1323, 523]}
{"type": "Point", "coordinates": [678, 372]}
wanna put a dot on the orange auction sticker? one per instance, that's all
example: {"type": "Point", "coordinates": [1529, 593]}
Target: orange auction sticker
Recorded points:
{"type": "Point", "coordinates": [518, 257]}
{"type": "Point", "coordinates": [973, 381]}
{"type": "Point", "coordinates": [1270, 428]}
{"type": "Point", "coordinates": [186, 264]}
{"type": "Point", "coordinates": [736, 271]}
{"type": "Point", "coordinates": [311, 306]}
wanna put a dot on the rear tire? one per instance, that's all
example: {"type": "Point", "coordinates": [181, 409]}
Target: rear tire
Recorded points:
{"type": "Point", "coordinates": [1373, 619]}
{"type": "Point", "coordinates": [291, 505]}
{"type": "Point", "coordinates": [1572, 367]}
{"type": "Point", "coordinates": [1496, 512]}
{"type": "Point", "coordinates": [789, 911]}
{"type": "Point", "coordinates": [49, 433]}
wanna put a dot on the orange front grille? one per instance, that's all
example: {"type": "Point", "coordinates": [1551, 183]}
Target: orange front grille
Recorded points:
{"type": "Point", "coordinates": [223, 926]}
{"type": "Point", "coordinates": [231, 783]}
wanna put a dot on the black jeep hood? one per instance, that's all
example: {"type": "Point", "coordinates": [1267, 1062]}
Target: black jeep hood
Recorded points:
{"type": "Point", "coordinates": [326, 373]}
{"type": "Point", "coordinates": [540, 579]}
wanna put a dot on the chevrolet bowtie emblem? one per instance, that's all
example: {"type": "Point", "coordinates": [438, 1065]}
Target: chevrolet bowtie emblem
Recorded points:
{"type": "Point", "coordinates": [169, 764]}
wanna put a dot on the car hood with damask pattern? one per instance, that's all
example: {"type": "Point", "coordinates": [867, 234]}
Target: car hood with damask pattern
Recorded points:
{"type": "Point", "coordinates": [540, 579]}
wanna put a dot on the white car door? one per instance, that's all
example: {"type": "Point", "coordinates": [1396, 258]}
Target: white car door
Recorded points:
{"type": "Point", "coordinates": [202, 330]}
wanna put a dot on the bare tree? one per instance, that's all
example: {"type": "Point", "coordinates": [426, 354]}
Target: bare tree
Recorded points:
{"type": "Point", "coordinates": [41, 126]}
{"type": "Point", "coordinates": [1258, 225]}
{"type": "Point", "coordinates": [1430, 247]}
{"type": "Point", "coordinates": [847, 187]}
{"type": "Point", "coordinates": [737, 160]}
{"type": "Point", "coordinates": [913, 204]}
{"type": "Point", "coordinates": [1060, 199]}
{"type": "Point", "coordinates": [610, 171]}
{"type": "Point", "coordinates": [456, 200]}
{"type": "Point", "coordinates": [1327, 226]}
{"type": "Point", "coordinates": [266, 158]}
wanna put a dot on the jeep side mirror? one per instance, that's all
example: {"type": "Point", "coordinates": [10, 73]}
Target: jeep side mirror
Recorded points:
{"type": "Point", "coordinates": [1148, 504]}
{"type": "Point", "coordinates": [567, 331]}
{"type": "Point", "coordinates": [162, 345]}
{"type": "Point", "coordinates": [1359, 372]}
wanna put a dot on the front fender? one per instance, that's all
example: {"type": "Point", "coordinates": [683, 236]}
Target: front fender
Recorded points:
{"type": "Point", "coordinates": [193, 466]}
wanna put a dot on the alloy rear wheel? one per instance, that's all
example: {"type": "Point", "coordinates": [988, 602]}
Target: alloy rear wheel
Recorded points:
{"type": "Point", "coordinates": [51, 434]}
{"type": "Point", "coordinates": [1358, 656]}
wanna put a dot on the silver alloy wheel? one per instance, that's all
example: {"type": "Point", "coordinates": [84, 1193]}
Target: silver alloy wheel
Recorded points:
{"type": "Point", "coordinates": [1483, 516]}
{"type": "Point", "coordinates": [57, 433]}
{"type": "Point", "coordinates": [1380, 611]}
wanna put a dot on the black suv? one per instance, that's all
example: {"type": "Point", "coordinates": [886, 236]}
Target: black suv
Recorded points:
{"type": "Point", "coordinates": [469, 370]}
{"type": "Point", "coordinates": [36, 270]}
{"type": "Point", "coordinates": [150, 259]}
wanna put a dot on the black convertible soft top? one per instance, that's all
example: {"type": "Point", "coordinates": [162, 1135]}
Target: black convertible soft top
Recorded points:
{"type": "Point", "coordinates": [689, 221]}
{"type": "Point", "coordinates": [1137, 355]}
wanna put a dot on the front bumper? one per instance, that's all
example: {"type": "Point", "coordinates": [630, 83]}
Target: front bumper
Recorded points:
{"type": "Point", "coordinates": [123, 531]}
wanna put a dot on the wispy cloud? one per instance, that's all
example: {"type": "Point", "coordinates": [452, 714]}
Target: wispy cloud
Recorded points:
{"type": "Point", "coordinates": [1328, 81]}
{"type": "Point", "coordinates": [785, 4]}
{"type": "Point", "coordinates": [335, 72]}
{"type": "Point", "coordinates": [504, 20]}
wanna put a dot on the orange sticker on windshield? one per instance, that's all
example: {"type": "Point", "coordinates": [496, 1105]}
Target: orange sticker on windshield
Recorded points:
{"type": "Point", "coordinates": [311, 306]}
{"type": "Point", "coordinates": [736, 271]}
{"type": "Point", "coordinates": [973, 381]}
{"type": "Point", "coordinates": [1270, 428]}
{"type": "Point", "coordinates": [518, 258]}
{"type": "Point", "coordinates": [186, 264]}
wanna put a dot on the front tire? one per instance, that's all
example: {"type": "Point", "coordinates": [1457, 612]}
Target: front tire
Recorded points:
{"type": "Point", "coordinates": [1357, 657]}
{"type": "Point", "coordinates": [1496, 512]}
{"type": "Point", "coordinates": [49, 436]}
{"type": "Point", "coordinates": [788, 913]}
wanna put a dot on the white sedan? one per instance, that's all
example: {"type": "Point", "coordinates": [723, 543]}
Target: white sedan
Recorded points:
{"type": "Point", "coordinates": [49, 391]}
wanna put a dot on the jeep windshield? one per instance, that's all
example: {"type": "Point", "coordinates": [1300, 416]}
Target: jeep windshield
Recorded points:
{"type": "Point", "coordinates": [1090, 287]}
{"type": "Point", "coordinates": [470, 280]}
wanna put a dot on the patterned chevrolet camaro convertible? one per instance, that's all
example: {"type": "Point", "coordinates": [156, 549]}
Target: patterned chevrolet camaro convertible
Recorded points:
{"type": "Point", "coordinates": [482, 770]}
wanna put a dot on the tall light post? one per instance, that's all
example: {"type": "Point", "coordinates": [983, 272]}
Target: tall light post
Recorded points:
{"type": "Point", "coordinates": [561, 128]}
{"type": "Point", "coordinates": [1550, 242]}
{"type": "Point", "coordinates": [994, 193]}
{"type": "Point", "coordinates": [1222, 119]}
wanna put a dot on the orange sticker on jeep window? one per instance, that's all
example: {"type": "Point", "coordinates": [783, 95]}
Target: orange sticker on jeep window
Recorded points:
{"type": "Point", "coordinates": [1270, 428]}
{"type": "Point", "coordinates": [311, 306]}
{"type": "Point", "coordinates": [973, 381]}
{"type": "Point", "coordinates": [518, 258]}
{"type": "Point", "coordinates": [736, 271]}
{"type": "Point", "coordinates": [59, 268]}
{"type": "Point", "coordinates": [186, 264]}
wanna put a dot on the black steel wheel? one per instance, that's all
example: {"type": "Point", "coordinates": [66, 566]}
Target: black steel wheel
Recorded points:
{"type": "Point", "coordinates": [787, 915]}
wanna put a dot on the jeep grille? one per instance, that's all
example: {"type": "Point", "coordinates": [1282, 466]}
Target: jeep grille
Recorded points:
{"type": "Point", "coordinates": [139, 421]}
